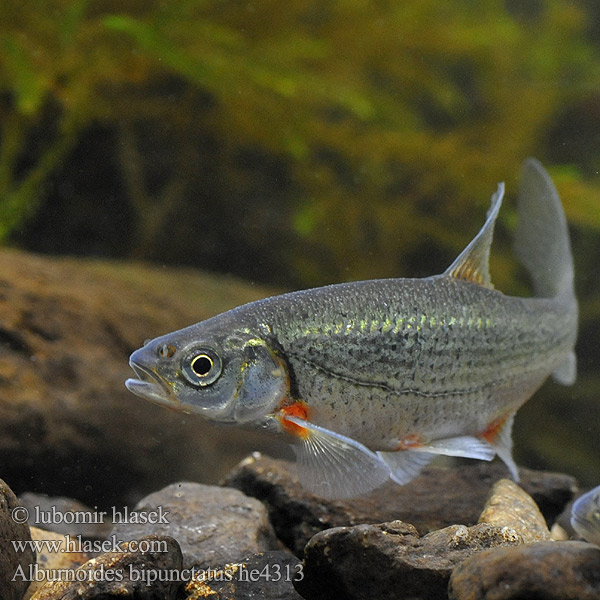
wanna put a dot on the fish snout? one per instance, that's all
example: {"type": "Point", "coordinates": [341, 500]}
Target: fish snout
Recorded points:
{"type": "Point", "coordinates": [149, 384]}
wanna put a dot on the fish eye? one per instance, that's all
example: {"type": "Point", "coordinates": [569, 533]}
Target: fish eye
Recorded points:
{"type": "Point", "coordinates": [201, 367]}
{"type": "Point", "coordinates": [166, 351]}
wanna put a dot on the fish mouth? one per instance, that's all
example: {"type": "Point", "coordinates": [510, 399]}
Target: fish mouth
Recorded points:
{"type": "Point", "coordinates": [150, 385]}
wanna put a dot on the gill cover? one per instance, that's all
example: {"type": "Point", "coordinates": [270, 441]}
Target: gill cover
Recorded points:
{"type": "Point", "coordinates": [263, 383]}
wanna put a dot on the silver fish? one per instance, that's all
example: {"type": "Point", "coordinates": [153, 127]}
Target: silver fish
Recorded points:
{"type": "Point", "coordinates": [585, 516]}
{"type": "Point", "coordinates": [371, 379]}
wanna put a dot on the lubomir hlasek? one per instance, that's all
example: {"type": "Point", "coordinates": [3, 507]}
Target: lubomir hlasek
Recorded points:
{"type": "Point", "coordinates": [371, 379]}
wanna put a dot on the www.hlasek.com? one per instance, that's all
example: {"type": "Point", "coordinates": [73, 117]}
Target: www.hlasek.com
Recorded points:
{"type": "Point", "coordinates": [80, 545]}
{"type": "Point", "coordinates": [239, 571]}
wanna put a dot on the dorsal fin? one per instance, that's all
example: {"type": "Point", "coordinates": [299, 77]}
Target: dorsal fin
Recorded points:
{"type": "Point", "coordinates": [472, 264]}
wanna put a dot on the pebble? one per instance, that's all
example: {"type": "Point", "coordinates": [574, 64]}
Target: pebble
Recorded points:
{"type": "Point", "coordinates": [48, 512]}
{"type": "Point", "coordinates": [510, 506]}
{"type": "Point", "coordinates": [13, 562]}
{"type": "Point", "coordinates": [123, 574]}
{"type": "Point", "coordinates": [558, 534]}
{"type": "Point", "coordinates": [213, 525]}
{"type": "Point", "coordinates": [50, 559]}
{"type": "Point", "coordinates": [390, 560]}
{"type": "Point", "coordinates": [266, 575]}
{"type": "Point", "coordinates": [544, 571]}
{"type": "Point", "coordinates": [436, 499]}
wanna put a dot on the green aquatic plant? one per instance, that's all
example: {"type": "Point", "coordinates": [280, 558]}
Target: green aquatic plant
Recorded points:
{"type": "Point", "coordinates": [35, 85]}
{"type": "Point", "coordinates": [299, 142]}
{"type": "Point", "coordinates": [376, 120]}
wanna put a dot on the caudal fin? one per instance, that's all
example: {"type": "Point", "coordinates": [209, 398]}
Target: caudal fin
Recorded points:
{"type": "Point", "coordinates": [542, 238]}
{"type": "Point", "coordinates": [543, 246]}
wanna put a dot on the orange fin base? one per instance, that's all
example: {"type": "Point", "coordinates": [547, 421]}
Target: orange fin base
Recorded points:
{"type": "Point", "coordinates": [299, 410]}
{"type": "Point", "coordinates": [494, 428]}
{"type": "Point", "coordinates": [410, 441]}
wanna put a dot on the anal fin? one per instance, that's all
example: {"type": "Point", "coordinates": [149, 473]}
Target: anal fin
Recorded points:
{"type": "Point", "coordinates": [465, 446]}
{"type": "Point", "coordinates": [499, 435]}
{"type": "Point", "coordinates": [567, 371]}
{"type": "Point", "coordinates": [331, 465]}
{"type": "Point", "coordinates": [407, 464]}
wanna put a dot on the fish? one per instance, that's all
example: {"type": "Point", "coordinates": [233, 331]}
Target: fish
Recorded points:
{"type": "Point", "coordinates": [585, 516]}
{"type": "Point", "coordinates": [370, 380]}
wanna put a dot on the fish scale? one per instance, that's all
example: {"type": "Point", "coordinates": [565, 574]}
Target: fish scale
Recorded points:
{"type": "Point", "coordinates": [439, 344]}
{"type": "Point", "coordinates": [371, 379]}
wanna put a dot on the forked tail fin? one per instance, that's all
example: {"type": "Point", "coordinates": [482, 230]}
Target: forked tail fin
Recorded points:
{"type": "Point", "coordinates": [542, 239]}
{"type": "Point", "coordinates": [543, 246]}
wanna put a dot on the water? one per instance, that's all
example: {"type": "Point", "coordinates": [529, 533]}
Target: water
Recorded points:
{"type": "Point", "coordinates": [290, 145]}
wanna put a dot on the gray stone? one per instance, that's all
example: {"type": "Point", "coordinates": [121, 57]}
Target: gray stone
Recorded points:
{"type": "Point", "coordinates": [213, 525]}
{"type": "Point", "coordinates": [436, 499]}
{"type": "Point", "coordinates": [143, 570]}
{"type": "Point", "coordinates": [13, 562]}
{"type": "Point", "coordinates": [510, 506]}
{"type": "Point", "coordinates": [544, 571]}
{"type": "Point", "coordinates": [266, 575]}
{"type": "Point", "coordinates": [389, 560]}
{"type": "Point", "coordinates": [49, 512]}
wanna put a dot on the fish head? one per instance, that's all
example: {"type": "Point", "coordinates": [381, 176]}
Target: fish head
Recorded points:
{"type": "Point", "coordinates": [585, 516]}
{"type": "Point", "coordinates": [224, 376]}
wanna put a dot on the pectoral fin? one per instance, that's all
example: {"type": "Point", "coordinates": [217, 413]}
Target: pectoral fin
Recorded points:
{"type": "Point", "coordinates": [331, 465]}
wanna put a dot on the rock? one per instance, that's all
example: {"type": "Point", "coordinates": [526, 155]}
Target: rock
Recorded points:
{"type": "Point", "coordinates": [145, 569]}
{"type": "Point", "coordinates": [389, 560]}
{"type": "Point", "coordinates": [213, 525]}
{"type": "Point", "coordinates": [266, 575]}
{"type": "Point", "coordinates": [436, 499]}
{"type": "Point", "coordinates": [67, 329]}
{"type": "Point", "coordinates": [544, 571]}
{"type": "Point", "coordinates": [64, 553]}
{"type": "Point", "coordinates": [65, 515]}
{"type": "Point", "coordinates": [558, 534]}
{"type": "Point", "coordinates": [510, 506]}
{"type": "Point", "coordinates": [13, 561]}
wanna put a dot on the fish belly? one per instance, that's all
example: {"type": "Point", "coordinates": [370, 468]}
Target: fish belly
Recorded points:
{"type": "Point", "coordinates": [386, 420]}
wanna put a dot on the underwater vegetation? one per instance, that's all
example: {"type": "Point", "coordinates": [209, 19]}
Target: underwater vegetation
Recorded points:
{"type": "Point", "coordinates": [305, 143]}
